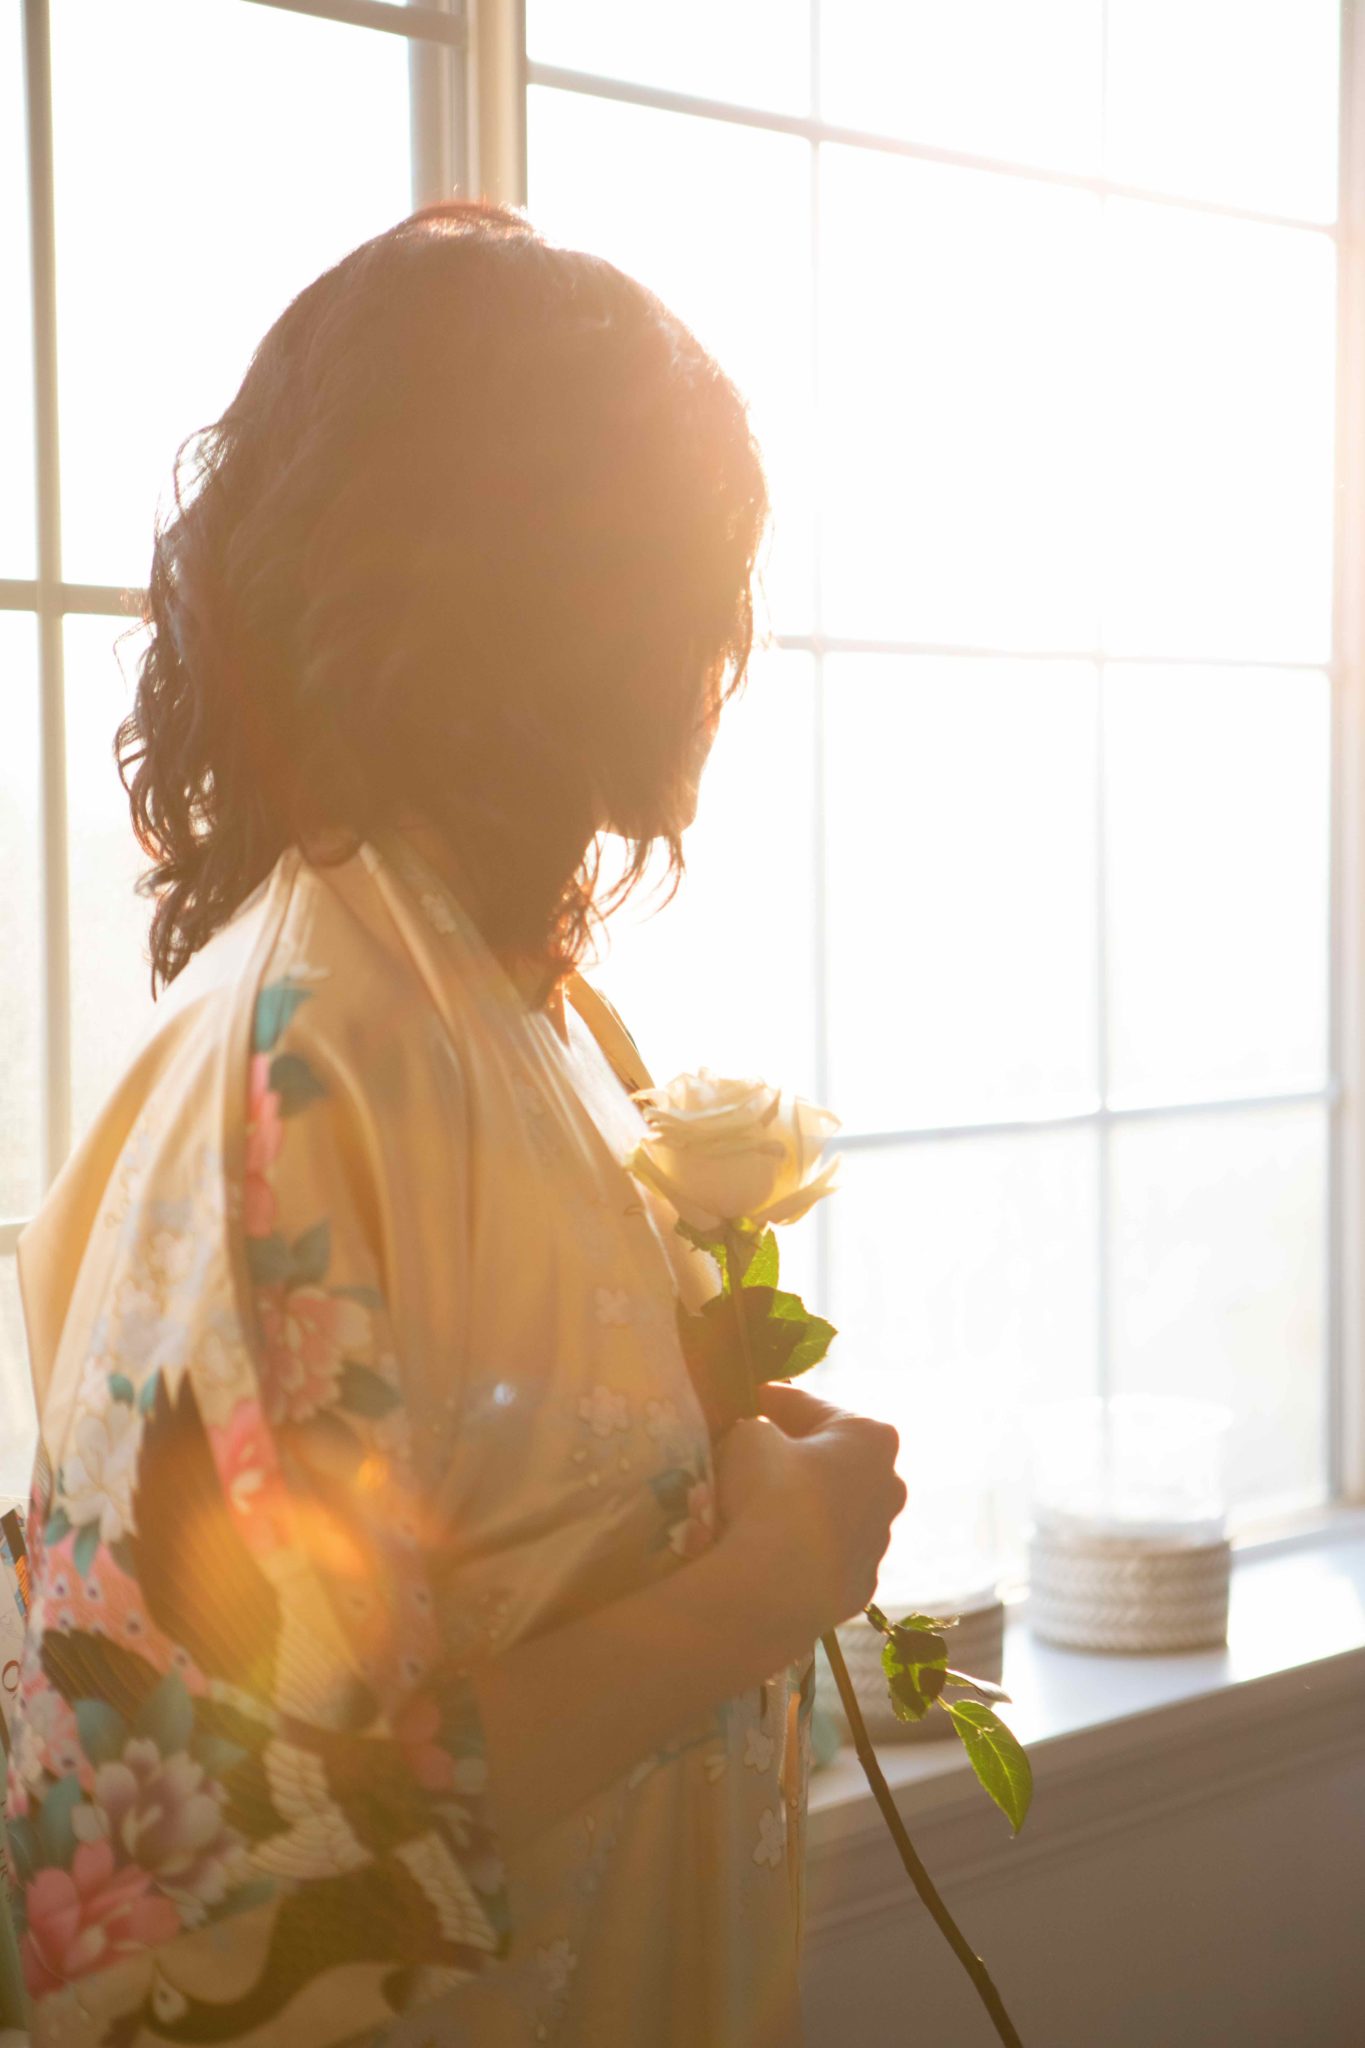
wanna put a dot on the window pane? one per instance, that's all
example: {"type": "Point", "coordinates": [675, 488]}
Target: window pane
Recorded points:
{"type": "Point", "coordinates": [721, 978]}
{"type": "Point", "coordinates": [1218, 1238]}
{"type": "Point", "coordinates": [16, 313]}
{"type": "Point", "coordinates": [110, 988]}
{"type": "Point", "coordinates": [741, 281]}
{"type": "Point", "coordinates": [1221, 338]}
{"type": "Point", "coordinates": [18, 1427]}
{"type": "Point", "coordinates": [958, 360]}
{"type": "Point", "coordinates": [152, 103]}
{"type": "Point", "coordinates": [989, 77]}
{"type": "Point", "coordinates": [754, 53]}
{"type": "Point", "coordinates": [1218, 813]}
{"type": "Point", "coordinates": [21, 942]}
{"type": "Point", "coordinates": [1219, 100]}
{"type": "Point", "coordinates": [961, 889]}
{"type": "Point", "coordinates": [963, 1290]}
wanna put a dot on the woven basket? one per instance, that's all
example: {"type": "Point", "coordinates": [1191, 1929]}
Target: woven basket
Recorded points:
{"type": "Point", "coordinates": [976, 1645]}
{"type": "Point", "coordinates": [1104, 1592]}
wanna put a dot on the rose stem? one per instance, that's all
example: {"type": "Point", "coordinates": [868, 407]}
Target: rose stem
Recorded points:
{"type": "Point", "coordinates": [734, 1267]}
{"type": "Point", "coordinates": [853, 1713]}
{"type": "Point", "coordinates": [918, 1875]}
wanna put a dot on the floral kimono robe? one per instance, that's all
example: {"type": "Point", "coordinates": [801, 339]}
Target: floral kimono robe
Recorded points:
{"type": "Point", "coordinates": [356, 1361]}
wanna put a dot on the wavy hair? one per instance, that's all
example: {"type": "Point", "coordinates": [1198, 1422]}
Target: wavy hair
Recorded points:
{"type": "Point", "coordinates": [474, 541]}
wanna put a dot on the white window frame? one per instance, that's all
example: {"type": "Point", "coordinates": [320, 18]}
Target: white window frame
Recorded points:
{"type": "Point", "coordinates": [1346, 1384]}
{"type": "Point", "coordinates": [469, 78]}
{"type": "Point", "coordinates": [1341, 1093]}
{"type": "Point", "coordinates": [448, 84]}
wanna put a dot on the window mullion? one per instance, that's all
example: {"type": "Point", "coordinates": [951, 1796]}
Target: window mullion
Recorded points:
{"type": "Point", "coordinates": [438, 84]}
{"type": "Point", "coordinates": [497, 101]}
{"type": "Point", "coordinates": [56, 1062]}
{"type": "Point", "coordinates": [432, 20]}
{"type": "Point", "coordinates": [1104, 1151]}
{"type": "Point", "coordinates": [1345, 1419]}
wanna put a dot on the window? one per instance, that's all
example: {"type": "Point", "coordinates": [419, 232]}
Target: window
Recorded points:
{"type": "Point", "coordinates": [1019, 853]}
{"type": "Point", "coordinates": [187, 170]}
{"type": "Point", "coordinates": [1021, 849]}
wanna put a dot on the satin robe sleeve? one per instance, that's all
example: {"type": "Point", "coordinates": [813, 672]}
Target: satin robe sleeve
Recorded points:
{"type": "Point", "coordinates": [247, 1794]}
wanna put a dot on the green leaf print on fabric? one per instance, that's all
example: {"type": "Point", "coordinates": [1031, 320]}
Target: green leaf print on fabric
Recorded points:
{"type": "Point", "coordinates": [102, 1731]}
{"type": "Point", "coordinates": [365, 1393]}
{"type": "Point", "coordinates": [268, 1261]}
{"type": "Point", "coordinates": [272, 1262]}
{"type": "Point", "coordinates": [166, 1716]}
{"type": "Point", "coordinates": [295, 1083]}
{"type": "Point", "coordinates": [310, 1256]}
{"type": "Point", "coordinates": [275, 1007]}
{"type": "Point", "coordinates": [56, 1836]}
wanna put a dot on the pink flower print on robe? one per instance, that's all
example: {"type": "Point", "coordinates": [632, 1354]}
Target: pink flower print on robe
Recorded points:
{"type": "Point", "coordinates": [86, 1918]}
{"type": "Point", "coordinates": [264, 1137]}
{"type": "Point", "coordinates": [244, 1452]}
{"type": "Point", "coordinates": [164, 1815]}
{"type": "Point", "coordinates": [306, 1337]}
{"type": "Point", "coordinates": [418, 1729]}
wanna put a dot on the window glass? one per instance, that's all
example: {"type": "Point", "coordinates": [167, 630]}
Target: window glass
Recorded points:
{"type": "Point", "coordinates": [1218, 887]}
{"type": "Point", "coordinates": [16, 313]}
{"type": "Point", "coordinates": [1220, 339]}
{"type": "Point", "coordinates": [987, 77]}
{"type": "Point", "coordinates": [209, 162]}
{"type": "Point", "coordinates": [958, 361]}
{"type": "Point", "coordinates": [963, 1288]}
{"type": "Point", "coordinates": [755, 53]}
{"type": "Point", "coordinates": [721, 976]}
{"type": "Point", "coordinates": [1228, 100]}
{"type": "Point", "coordinates": [111, 1005]}
{"type": "Point", "coordinates": [716, 219]}
{"type": "Point", "coordinates": [18, 1427]}
{"type": "Point", "coordinates": [961, 889]}
{"type": "Point", "coordinates": [21, 934]}
{"type": "Point", "coordinates": [1218, 1282]}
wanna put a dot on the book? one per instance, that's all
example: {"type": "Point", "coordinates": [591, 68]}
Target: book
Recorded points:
{"type": "Point", "coordinates": [14, 1601]}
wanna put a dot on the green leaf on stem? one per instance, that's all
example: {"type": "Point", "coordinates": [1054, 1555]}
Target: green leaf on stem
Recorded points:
{"type": "Point", "coordinates": [772, 1339]}
{"type": "Point", "coordinates": [996, 1756]}
{"type": "Point", "coordinates": [783, 1340]}
{"type": "Point", "coordinates": [758, 1263]}
{"type": "Point", "coordinates": [915, 1661]}
{"type": "Point", "coordinates": [984, 1686]}
{"type": "Point", "coordinates": [705, 1240]}
{"type": "Point", "coordinates": [716, 1370]}
{"type": "Point", "coordinates": [816, 1337]}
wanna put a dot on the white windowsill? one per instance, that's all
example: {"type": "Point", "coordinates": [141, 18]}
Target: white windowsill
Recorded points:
{"type": "Point", "coordinates": [1118, 1741]}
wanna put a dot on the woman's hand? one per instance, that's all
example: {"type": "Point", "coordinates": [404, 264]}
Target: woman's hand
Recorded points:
{"type": "Point", "coordinates": [807, 1495]}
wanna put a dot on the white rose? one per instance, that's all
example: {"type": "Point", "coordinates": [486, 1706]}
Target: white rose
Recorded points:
{"type": "Point", "coordinates": [721, 1151]}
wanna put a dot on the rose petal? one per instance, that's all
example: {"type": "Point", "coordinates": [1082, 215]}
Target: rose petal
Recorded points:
{"type": "Point", "coordinates": [794, 1206]}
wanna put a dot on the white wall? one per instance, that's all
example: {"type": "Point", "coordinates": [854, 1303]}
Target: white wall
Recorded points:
{"type": "Point", "coordinates": [1209, 1893]}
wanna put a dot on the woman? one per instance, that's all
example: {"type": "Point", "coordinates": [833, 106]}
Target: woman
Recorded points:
{"type": "Point", "coordinates": [400, 1665]}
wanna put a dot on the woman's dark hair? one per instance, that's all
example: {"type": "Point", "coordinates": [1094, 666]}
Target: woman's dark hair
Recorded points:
{"type": "Point", "coordinates": [474, 541]}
